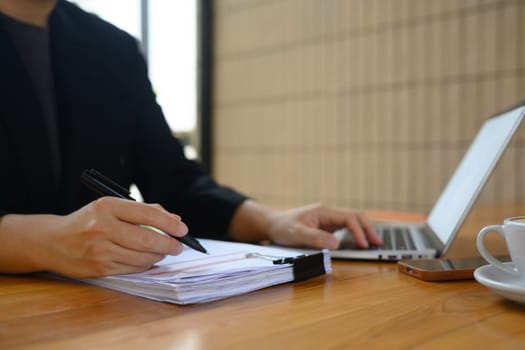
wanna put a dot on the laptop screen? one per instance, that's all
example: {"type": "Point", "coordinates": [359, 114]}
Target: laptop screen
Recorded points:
{"type": "Point", "coordinates": [469, 178]}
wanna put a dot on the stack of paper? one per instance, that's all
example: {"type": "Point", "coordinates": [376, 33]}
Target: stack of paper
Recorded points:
{"type": "Point", "coordinates": [230, 269]}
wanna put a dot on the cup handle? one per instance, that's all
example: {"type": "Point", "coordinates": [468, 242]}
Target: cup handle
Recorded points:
{"type": "Point", "coordinates": [485, 253]}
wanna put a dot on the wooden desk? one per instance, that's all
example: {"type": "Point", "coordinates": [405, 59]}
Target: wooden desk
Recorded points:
{"type": "Point", "coordinates": [361, 305]}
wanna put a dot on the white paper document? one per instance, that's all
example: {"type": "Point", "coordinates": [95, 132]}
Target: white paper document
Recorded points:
{"type": "Point", "coordinates": [230, 269]}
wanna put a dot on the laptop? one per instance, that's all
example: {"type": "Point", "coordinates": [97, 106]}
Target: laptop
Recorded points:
{"type": "Point", "coordinates": [434, 237]}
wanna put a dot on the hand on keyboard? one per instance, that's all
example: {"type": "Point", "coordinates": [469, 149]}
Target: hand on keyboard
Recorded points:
{"type": "Point", "coordinates": [312, 226]}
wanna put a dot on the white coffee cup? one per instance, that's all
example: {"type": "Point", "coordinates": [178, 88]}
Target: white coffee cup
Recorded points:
{"type": "Point", "coordinates": [513, 231]}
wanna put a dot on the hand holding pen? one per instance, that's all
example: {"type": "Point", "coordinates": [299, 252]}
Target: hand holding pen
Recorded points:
{"type": "Point", "coordinates": [107, 187]}
{"type": "Point", "coordinates": [102, 238]}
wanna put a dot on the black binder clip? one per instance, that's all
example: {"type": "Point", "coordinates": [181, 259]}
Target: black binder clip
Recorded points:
{"type": "Point", "coordinates": [304, 266]}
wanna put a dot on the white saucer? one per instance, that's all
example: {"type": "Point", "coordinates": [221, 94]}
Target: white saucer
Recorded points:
{"type": "Point", "coordinates": [501, 282]}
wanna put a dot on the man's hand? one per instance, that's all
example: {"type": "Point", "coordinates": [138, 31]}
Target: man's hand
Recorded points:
{"type": "Point", "coordinates": [308, 226]}
{"type": "Point", "coordinates": [312, 226]}
{"type": "Point", "coordinates": [102, 238]}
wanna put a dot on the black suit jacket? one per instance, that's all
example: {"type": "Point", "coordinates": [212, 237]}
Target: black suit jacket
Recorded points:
{"type": "Point", "coordinates": [109, 120]}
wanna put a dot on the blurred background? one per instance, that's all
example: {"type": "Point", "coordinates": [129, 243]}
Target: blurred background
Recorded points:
{"type": "Point", "coordinates": [354, 103]}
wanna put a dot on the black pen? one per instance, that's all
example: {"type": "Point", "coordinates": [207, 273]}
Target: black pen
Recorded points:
{"type": "Point", "coordinates": [107, 187]}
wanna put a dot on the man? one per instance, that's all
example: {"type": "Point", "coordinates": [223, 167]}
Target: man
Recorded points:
{"type": "Point", "coordinates": [75, 95]}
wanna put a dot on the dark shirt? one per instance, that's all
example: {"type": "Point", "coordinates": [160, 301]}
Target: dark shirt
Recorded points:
{"type": "Point", "coordinates": [32, 45]}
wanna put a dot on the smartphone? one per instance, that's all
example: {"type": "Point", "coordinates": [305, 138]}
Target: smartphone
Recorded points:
{"type": "Point", "coordinates": [443, 269]}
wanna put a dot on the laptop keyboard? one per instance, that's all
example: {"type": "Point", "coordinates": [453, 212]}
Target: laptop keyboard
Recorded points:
{"type": "Point", "coordinates": [393, 237]}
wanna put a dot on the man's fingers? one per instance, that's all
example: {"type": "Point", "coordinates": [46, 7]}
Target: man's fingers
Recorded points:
{"type": "Point", "coordinates": [142, 214]}
{"type": "Point", "coordinates": [356, 222]}
{"type": "Point", "coordinates": [354, 226]}
{"type": "Point", "coordinates": [316, 238]}
{"type": "Point", "coordinates": [335, 218]}
{"type": "Point", "coordinates": [369, 229]}
{"type": "Point", "coordinates": [126, 231]}
{"type": "Point", "coordinates": [107, 258]}
{"type": "Point", "coordinates": [138, 260]}
{"type": "Point", "coordinates": [143, 239]}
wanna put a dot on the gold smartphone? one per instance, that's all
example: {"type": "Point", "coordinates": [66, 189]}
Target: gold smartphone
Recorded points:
{"type": "Point", "coordinates": [442, 269]}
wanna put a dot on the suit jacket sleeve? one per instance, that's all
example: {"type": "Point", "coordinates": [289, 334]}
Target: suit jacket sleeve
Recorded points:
{"type": "Point", "coordinates": [163, 173]}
